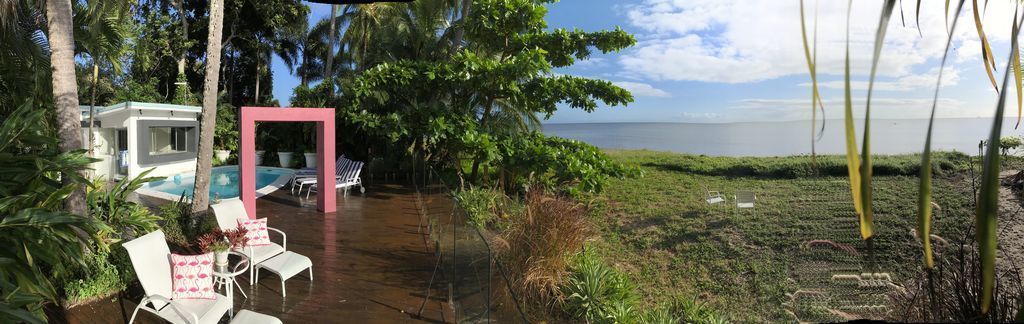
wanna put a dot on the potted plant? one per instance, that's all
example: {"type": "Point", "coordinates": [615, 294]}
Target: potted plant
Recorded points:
{"type": "Point", "coordinates": [310, 158]}
{"type": "Point", "coordinates": [262, 138]}
{"type": "Point", "coordinates": [221, 242]}
{"type": "Point", "coordinates": [215, 242]}
{"type": "Point", "coordinates": [225, 133]}
{"type": "Point", "coordinates": [285, 158]}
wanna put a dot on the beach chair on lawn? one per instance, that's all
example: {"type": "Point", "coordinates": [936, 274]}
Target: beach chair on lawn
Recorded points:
{"type": "Point", "coordinates": [347, 179]}
{"type": "Point", "coordinates": [151, 259]}
{"type": "Point", "coordinates": [307, 173]}
{"type": "Point", "coordinates": [745, 199]}
{"type": "Point", "coordinates": [227, 213]}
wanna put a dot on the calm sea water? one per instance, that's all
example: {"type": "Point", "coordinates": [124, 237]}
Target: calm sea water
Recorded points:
{"type": "Point", "coordinates": [781, 138]}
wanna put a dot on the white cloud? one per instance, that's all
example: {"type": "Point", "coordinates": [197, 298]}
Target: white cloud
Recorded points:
{"type": "Point", "coordinates": [734, 41]}
{"type": "Point", "coordinates": [881, 108]}
{"type": "Point", "coordinates": [642, 89]}
{"type": "Point", "coordinates": [909, 82]}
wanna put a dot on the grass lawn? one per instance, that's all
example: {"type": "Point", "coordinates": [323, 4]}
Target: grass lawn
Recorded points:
{"type": "Point", "coordinates": [743, 263]}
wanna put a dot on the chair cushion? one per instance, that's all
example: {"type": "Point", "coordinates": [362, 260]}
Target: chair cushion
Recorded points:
{"type": "Point", "coordinates": [260, 253]}
{"type": "Point", "coordinates": [192, 276]}
{"type": "Point", "coordinates": [256, 231]}
{"type": "Point", "coordinates": [209, 311]}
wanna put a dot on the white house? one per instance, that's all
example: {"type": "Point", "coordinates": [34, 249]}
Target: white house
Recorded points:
{"type": "Point", "coordinates": [132, 137]}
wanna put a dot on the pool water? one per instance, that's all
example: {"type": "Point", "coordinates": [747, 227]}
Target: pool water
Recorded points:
{"type": "Point", "coordinates": [223, 183]}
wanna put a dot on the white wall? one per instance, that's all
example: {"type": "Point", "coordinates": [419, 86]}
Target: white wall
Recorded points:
{"type": "Point", "coordinates": [107, 150]}
{"type": "Point", "coordinates": [162, 169]}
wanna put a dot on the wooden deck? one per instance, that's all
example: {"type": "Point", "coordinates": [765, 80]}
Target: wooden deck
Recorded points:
{"type": "Point", "coordinates": [371, 264]}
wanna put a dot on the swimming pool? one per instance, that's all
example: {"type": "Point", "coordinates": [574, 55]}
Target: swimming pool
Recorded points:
{"type": "Point", "coordinates": [223, 184]}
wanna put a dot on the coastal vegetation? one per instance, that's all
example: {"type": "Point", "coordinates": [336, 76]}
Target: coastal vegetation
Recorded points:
{"type": "Point", "coordinates": [462, 87]}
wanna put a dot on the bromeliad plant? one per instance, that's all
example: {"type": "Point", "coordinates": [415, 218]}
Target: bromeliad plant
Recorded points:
{"type": "Point", "coordinates": [860, 167]}
{"type": "Point", "coordinates": [219, 240]}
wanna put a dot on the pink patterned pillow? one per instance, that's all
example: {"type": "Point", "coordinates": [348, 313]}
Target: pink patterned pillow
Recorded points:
{"type": "Point", "coordinates": [193, 276]}
{"type": "Point", "coordinates": [256, 231]}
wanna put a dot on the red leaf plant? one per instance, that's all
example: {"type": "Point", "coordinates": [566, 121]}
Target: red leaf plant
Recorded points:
{"type": "Point", "coordinates": [223, 240]}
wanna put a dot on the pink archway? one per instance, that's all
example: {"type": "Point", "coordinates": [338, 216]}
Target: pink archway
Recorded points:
{"type": "Point", "coordinates": [324, 118]}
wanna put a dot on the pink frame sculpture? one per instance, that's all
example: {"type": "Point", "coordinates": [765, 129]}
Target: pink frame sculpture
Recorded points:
{"type": "Point", "coordinates": [324, 118]}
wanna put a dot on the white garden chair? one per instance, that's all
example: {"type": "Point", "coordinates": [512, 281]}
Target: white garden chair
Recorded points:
{"type": "Point", "coordinates": [745, 199]}
{"type": "Point", "coordinates": [713, 197]}
{"type": "Point", "coordinates": [348, 178]}
{"type": "Point", "coordinates": [151, 259]}
{"type": "Point", "coordinates": [227, 213]}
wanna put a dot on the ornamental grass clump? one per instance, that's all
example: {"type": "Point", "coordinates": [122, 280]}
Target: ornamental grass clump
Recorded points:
{"type": "Point", "coordinates": [538, 243]}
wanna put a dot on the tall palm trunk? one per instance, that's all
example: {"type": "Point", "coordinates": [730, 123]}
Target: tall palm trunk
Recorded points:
{"type": "Point", "coordinates": [461, 30]}
{"type": "Point", "coordinates": [329, 60]}
{"type": "Point", "coordinates": [65, 90]}
{"type": "Point", "coordinates": [180, 7]}
{"type": "Point", "coordinates": [259, 61]}
{"type": "Point", "coordinates": [92, 106]}
{"type": "Point", "coordinates": [204, 162]}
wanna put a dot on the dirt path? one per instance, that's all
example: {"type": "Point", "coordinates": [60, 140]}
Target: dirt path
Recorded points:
{"type": "Point", "coordinates": [1011, 226]}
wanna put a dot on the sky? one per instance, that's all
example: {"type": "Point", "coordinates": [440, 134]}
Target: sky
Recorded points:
{"type": "Point", "coordinates": [715, 61]}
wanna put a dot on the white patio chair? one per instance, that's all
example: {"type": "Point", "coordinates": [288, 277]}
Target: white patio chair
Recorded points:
{"type": "Point", "coordinates": [745, 199]}
{"type": "Point", "coordinates": [305, 174]}
{"type": "Point", "coordinates": [713, 197]}
{"type": "Point", "coordinates": [347, 179]}
{"type": "Point", "coordinates": [227, 213]}
{"type": "Point", "coordinates": [151, 259]}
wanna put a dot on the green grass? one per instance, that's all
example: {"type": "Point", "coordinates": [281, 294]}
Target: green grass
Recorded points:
{"type": "Point", "coordinates": [658, 229]}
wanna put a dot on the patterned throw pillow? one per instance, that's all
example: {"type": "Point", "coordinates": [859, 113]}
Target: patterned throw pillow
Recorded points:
{"type": "Point", "coordinates": [256, 231]}
{"type": "Point", "coordinates": [193, 276]}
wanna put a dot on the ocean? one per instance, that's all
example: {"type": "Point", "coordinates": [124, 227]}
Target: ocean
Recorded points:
{"type": "Point", "coordinates": [892, 136]}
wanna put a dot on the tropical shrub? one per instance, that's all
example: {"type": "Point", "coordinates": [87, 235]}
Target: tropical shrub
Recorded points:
{"type": "Point", "coordinates": [1008, 143]}
{"type": "Point", "coordinates": [180, 226]}
{"type": "Point", "coordinates": [485, 206]}
{"type": "Point", "coordinates": [556, 163]}
{"type": "Point", "coordinates": [100, 276]}
{"type": "Point", "coordinates": [125, 219]}
{"type": "Point", "coordinates": [37, 238]}
{"type": "Point", "coordinates": [598, 293]}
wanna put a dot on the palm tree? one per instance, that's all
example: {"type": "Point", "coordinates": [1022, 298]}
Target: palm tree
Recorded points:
{"type": "Point", "coordinates": [65, 90]}
{"type": "Point", "coordinates": [102, 30]}
{"type": "Point", "coordinates": [24, 58]}
{"type": "Point", "coordinates": [366, 25]}
{"type": "Point", "coordinates": [208, 122]}
{"type": "Point", "coordinates": [333, 37]}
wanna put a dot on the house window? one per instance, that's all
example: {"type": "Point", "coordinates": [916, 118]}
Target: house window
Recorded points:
{"type": "Point", "coordinates": [168, 140]}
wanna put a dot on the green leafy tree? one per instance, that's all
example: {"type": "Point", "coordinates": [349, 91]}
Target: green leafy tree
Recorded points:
{"type": "Point", "coordinates": [445, 109]}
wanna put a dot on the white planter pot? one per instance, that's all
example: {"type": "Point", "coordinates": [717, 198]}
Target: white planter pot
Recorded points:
{"type": "Point", "coordinates": [259, 157]}
{"type": "Point", "coordinates": [285, 158]}
{"type": "Point", "coordinates": [222, 155]}
{"type": "Point", "coordinates": [222, 258]}
{"type": "Point", "coordinates": [310, 160]}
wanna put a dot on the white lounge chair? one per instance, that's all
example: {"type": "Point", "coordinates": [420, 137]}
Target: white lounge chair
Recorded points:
{"type": "Point", "coordinates": [347, 178]}
{"type": "Point", "coordinates": [339, 165]}
{"type": "Point", "coordinates": [745, 199]}
{"type": "Point", "coordinates": [227, 212]}
{"type": "Point", "coordinates": [151, 259]}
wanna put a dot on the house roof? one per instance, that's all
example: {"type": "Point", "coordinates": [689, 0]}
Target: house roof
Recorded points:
{"type": "Point", "coordinates": [146, 106]}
